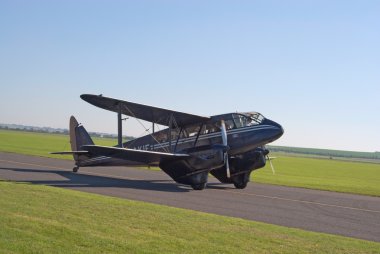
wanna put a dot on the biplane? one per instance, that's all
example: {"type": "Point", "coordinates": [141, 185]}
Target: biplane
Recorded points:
{"type": "Point", "coordinates": [228, 146]}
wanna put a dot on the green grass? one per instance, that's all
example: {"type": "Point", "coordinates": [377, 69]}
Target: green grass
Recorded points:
{"type": "Point", "coordinates": [323, 174]}
{"type": "Point", "coordinates": [40, 144]}
{"type": "Point", "coordinates": [325, 152]}
{"type": "Point", "coordinates": [43, 219]}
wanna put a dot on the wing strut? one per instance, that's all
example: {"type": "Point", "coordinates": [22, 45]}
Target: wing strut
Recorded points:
{"type": "Point", "coordinates": [119, 128]}
{"type": "Point", "coordinates": [170, 132]}
{"type": "Point", "coordinates": [153, 139]}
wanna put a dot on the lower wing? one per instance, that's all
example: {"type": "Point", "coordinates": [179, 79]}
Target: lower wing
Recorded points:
{"type": "Point", "coordinates": [148, 157]}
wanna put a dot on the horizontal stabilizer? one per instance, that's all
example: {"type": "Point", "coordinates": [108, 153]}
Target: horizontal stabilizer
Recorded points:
{"type": "Point", "coordinates": [148, 157]}
{"type": "Point", "coordinates": [71, 152]}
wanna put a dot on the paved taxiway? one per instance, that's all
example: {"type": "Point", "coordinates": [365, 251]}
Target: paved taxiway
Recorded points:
{"type": "Point", "coordinates": [336, 213]}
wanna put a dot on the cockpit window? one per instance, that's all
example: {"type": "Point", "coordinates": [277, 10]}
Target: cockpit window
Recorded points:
{"type": "Point", "coordinates": [248, 119]}
{"type": "Point", "coordinates": [257, 117]}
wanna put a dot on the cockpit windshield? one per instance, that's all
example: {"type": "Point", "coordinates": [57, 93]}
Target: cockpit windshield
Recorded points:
{"type": "Point", "coordinates": [247, 119]}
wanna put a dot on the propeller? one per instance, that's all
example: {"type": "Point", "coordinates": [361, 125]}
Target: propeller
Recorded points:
{"type": "Point", "coordinates": [266, 153]}
{"type": "Point", "coordinates": [271, 164]}
{"type": "Point", "coordinates": [224, 139]}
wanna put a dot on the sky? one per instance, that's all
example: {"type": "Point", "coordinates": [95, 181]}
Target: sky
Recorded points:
{"type": "Point", "coordinates": [312, 66]}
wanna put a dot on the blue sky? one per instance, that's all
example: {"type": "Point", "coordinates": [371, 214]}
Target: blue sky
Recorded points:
{"type": "Point", "coordinates": [312, 66]}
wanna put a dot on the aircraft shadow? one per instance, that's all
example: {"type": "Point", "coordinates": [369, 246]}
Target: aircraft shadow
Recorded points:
{"type": "Point", "coordinates": [78, 180]}
{"type": "Point", "coordinates": [219, 186]}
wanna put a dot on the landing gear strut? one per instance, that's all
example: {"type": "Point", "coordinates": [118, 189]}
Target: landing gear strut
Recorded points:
{"type": "Point", "coordinates": [75, 169]}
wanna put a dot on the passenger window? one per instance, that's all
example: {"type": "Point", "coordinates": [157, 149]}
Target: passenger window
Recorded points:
{"type": "Point", "coordinates": [238, 121]}
{"type": "Point", "coordinates": [161, 136]}
{"type": "Point", "coordinates": [210, 128]}
{"type": "Point", "coordinates": [175, 134]}
{"type": "Point", "coordinates": [190, 131]}
{"type": "Point", "coordinates": [229, 124]}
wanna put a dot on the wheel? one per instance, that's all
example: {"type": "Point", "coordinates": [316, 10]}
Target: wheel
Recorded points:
{"type": "Point", "coordinates": [241, 181]}
{"type": "Point", "coordinates": [75, 169]}
{"type": "Point", "coordinates": [240, 185]}
{"type": "Point", "coordinates": [200, 186]}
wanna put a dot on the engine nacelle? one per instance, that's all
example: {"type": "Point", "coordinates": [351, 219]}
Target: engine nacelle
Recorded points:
{"type": "Point", "coordinates": [242, 165]}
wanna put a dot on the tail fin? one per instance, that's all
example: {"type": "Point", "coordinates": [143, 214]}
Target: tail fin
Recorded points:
{"type": "Point", "coordinates": [78, 138]}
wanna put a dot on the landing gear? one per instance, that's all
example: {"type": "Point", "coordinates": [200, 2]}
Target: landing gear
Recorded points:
{"type": "Point", "coordinates": [240, 185]}
{"type": "Point", "coordinates": [241, 181]}
{"type": "Point", "coordinates": [200, 186]}
{"type": "Point", "coordinates": [75, 169]}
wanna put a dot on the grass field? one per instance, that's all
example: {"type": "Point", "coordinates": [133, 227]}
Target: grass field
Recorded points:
{"type": "Point", "coordinates": [40, 144]}
{"type": "Point", "coordinates": [43, 219]}
{"type": "Point", "coordinates": [323, 174]}
{"type": "Point", "coordinates": [326, 152]}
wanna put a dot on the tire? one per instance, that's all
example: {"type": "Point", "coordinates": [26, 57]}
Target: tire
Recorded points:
{"type": "Point", "coordinates": [241, 181]}
{"type": "Point", "coordinates": [75, 169]}
{"type": "Point", "coordinates": [200, 186]}
{"type": "Point", "coordinates": [240, 185]}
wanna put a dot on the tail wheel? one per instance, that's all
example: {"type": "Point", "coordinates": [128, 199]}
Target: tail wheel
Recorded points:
{"type": "Point", "coordinates": [75, 169]}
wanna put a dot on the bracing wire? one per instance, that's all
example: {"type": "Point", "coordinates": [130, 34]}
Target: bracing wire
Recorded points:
{"type": "Point", "coordinates": [145, 129]}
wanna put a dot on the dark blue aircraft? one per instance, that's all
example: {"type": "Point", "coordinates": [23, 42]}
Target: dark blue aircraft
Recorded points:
{"type": "Point", "coordinates": [229, 146]}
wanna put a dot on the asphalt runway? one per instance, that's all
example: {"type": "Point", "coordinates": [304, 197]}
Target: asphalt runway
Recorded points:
{"type": "Point", "coordinates": [322, 211]}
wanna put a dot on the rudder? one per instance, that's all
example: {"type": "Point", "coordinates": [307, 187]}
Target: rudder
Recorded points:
{"type": "Point", "coordinates": [78, 137]}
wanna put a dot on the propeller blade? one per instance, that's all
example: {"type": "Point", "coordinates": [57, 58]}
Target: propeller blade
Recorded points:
{"type": "Point", "coordinates": [227, 165]}
{"type": "Point", "coordinates": [224, 132]}
{"type": "Point", "coordinates": [271, 165]}
{"type": "Point", "coordinates": [224, 140]}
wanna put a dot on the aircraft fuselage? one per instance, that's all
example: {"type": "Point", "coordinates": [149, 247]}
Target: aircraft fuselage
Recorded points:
{"type": "Point", "coordinates": [241, 138]}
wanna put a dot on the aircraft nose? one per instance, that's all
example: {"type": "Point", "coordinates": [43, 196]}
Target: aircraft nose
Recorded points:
{"type": "Point", "coordinates": [281, 130]}
{"type": "Point", "coordinates": [277, 132]}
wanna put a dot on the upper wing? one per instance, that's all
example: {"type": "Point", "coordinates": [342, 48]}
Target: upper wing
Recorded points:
{"type": "Point", "coordinates": [148, 157]}
{"type": "Point", "coordinates": [148, 113]}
